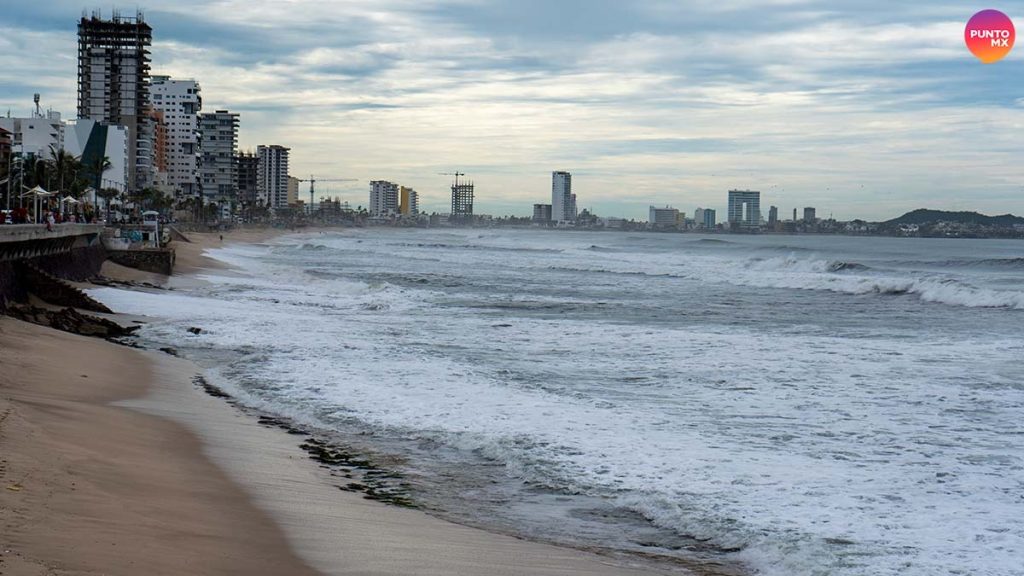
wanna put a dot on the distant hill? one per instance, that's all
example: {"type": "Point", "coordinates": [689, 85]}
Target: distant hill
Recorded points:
{"type": "Point", "coordinates": [924, 216]}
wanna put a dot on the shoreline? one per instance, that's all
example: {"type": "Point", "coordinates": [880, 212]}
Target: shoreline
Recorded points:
{"type": "Point", "coordinates": [261, 474]}
{"type": "Point", "coordinates": [92, 488]}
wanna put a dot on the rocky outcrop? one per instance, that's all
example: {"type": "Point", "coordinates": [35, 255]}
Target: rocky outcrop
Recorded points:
{"type": "Point", "coordinates": [70, 320]}
{"type": "Point", "coordinates": [56, 291]}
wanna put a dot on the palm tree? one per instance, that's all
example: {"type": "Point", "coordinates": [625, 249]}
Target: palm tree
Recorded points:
{"type": "Point", "coordinates": [65, 167]}
{"type": "Point", "coordinates": [35, 171]}
{"type": "Point", "coordinates": [96, 168]}
{"type": "Point", "coordinates": [107, 194]}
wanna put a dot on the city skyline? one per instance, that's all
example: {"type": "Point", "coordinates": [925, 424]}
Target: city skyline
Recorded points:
{"type": "Point", "coordinates": [863, 110]}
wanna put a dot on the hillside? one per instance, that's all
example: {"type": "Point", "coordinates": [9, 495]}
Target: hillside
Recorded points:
{"type": "Point", "coordinates": [923, 216]}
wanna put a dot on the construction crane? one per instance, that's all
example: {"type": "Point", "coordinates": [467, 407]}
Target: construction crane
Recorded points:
{"type": "Point", "coordinates": [462, 198]}
{"type": "Point", "coordinates": [312, 183]}
{"type": "Point", "coordinates": [456, 174]}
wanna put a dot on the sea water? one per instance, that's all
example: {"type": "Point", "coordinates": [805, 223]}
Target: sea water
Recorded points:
{"type": "Point", "coordinates": [790, 404]}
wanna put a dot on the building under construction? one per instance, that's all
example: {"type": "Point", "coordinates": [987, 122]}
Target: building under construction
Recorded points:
{"type": "Point", "coordinates": [462, 202]}
{"type": "Point", "coordinates": [113, 83]}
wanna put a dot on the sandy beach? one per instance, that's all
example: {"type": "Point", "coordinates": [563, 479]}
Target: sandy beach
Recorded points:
{"type": "Point", "coordinates": [91, 488]}
{"type": "Point", "coordinates": [114, 462]}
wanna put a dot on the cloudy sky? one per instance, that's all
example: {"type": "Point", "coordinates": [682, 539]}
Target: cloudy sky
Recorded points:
{"type": "Point", "coordinates": [861, 108]}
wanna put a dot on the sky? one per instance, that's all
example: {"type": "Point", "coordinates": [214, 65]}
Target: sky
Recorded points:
{"type": "Point", "coordinates": [862, 109]}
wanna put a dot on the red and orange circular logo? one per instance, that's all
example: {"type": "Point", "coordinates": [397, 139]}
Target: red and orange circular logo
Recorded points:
{"type": "Point", "coordinates": [989, 35]}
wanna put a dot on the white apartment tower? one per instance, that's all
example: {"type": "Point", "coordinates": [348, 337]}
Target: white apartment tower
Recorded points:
{"type": "Point", "coordinates": [383, 198]}
{"type": "Point", "coordinates": [217, 168]}
{"type": "Point", "coordinates": [113, 83]}
{"type": "Point", "coordinates": [180, 103]}
{"type": "Point", "coordinates": [562, 202]}
{"type": "Point", "coordinates": [272, 176]}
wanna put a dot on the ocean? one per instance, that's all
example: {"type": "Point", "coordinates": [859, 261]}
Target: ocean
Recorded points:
{"type": "Point", "coordinates": [789, 405]}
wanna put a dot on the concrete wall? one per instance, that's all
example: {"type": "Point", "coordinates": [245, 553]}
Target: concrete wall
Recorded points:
{"type": "Point", "coordinates": [70, 252]}
{"type": "Point", "coordinates": [159, 261]}
{"type": "Point", "coordinates": [77, 264]}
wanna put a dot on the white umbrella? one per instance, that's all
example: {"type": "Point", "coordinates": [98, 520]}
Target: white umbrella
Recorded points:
{"type": "Point", "coordinates": [37, 193]}
{"type": "Point", "coordinates": [70, 200]}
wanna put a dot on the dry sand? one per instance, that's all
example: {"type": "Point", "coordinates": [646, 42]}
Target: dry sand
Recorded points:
{"type": "Point", "coordinates": [89, 488]}
{"type": "Point", "coordinates": [189, 257]}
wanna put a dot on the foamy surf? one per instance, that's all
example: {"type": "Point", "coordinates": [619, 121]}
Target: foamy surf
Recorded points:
{"type": "Point", "coordinates": [831, 414]}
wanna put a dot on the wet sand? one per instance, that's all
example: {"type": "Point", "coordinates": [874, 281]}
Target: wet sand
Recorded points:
{"type": "Point", "coordinates": [114, 462]}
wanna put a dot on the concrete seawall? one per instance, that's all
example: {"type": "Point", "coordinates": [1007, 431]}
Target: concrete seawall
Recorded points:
{"type": "Point", "coordinates": [159, 261]}
{"type": "Point", "coordinates": [69, 252]}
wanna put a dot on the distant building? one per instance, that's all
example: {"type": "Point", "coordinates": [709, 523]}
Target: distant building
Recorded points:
{"type": "Point", "coordinates": [91, 142]}
{"type": "Point", "coordinates": [5, 147]}
{"type": "Point", "coordinates": [247, 165]}
{"type": "Point", "coordinates": [158, 131]}
{"type": "Point", "coordinates": [773, 216]}
{"type": "Point", "coordinates": [745, 208]}
{"type": "Point", "coordinates": [180, 103]}
{"type": "Point", "coordinates": [272, 176]}
{"type": "Point", "coordinates": [794, 214]}
{"type": "Point", "coordinates": [218, 172]}
{"type": "Point", "coordinates": [666, 217]}
{"type": "Point", "coordinates": [562, 202]}
{"type": "Point", "coordinates": [293, 191]}
{"type": "Point", "coordinates": [705, 218]}
{"type": "Point", "coordinates": [408, 201]}
{"type": "Point", "coordinates": [462, 202]}
{"type": "Point", "coordinates": [809, 217]}
{"type": "Point", "coordinates": [542, 213]}
{"type": "Point", "coordinates": [113, 83]}
{"type": "Point", "coordinates": [35, 136]}
{"type": "Point", "coordinates": [383, 198]}
{"type": "Point", "coordinates": [612, 222]}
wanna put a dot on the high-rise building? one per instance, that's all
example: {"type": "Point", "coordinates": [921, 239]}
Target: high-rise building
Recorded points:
{"type": "Point", "coordinates": [272, 176]}
{"type": "Point", "coordinates": [383, 198]}
{"type": "Point", "coordinates": [180, 103]}
{"type": "Point", "coordinates": [542, 213]}
{"type": "Point", "coordinates": [809, 216]}
{"type": "Point", "coordinates": [666, 217]}
{"type": "Point", "coordinates": [462, 202]}
{"type": "Point", "coordinates": [247, 164]}
{"type": "Point", "coordinates": [563, 207]}
{"type": "Point", "coordinates": [794, 214]}
{"type": "Point", "coordinates": [293, 191]}
{"type": "Point", "coordinates": [708, 220]}
{"type": "Point", "coordinates": [159, 132]}
{"type": "Point", "coordinates": [408, 202]}
{"type": "Point", "coordinates": [773, 216]}
{"type": "Point", "coordinates": [113, 83]}
{"type": "Point", "coordinates": [745, 208]}
{"type": "Point", "coordinates": [217, 169]}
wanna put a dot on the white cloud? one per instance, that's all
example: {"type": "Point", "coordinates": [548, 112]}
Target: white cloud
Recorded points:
{"type": "Point", "coordinates": [832, 107]}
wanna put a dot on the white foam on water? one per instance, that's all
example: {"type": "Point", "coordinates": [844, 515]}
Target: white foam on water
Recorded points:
{"type": "Point", "coordinates": [809, 454]}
